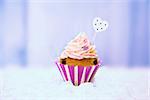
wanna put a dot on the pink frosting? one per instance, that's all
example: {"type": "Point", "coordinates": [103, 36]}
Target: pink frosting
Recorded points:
{"type": "Point", "coordinates": [80, 47]}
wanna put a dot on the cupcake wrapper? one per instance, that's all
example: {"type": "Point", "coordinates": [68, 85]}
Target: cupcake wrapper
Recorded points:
{"type": "Point", "coordinates": [77, 74]}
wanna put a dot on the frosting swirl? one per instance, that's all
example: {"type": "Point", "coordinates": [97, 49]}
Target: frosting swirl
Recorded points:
{"type": "Point", "coordinates": [80, 47]}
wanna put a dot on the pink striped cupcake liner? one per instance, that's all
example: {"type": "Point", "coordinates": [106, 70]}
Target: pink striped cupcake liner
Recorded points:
{"type": "Point", "coordinates": [77, 74]}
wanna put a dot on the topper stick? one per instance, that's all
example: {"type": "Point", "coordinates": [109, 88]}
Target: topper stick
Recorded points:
{"type": "Point", "coordinates": [94, 36]}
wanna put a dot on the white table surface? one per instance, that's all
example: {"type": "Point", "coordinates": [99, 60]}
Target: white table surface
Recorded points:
{"type": "Point", "coordinates": [46, 84]}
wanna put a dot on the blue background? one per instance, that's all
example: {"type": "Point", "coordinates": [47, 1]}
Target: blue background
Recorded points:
{"type": "Point", "coordinates": [34, 32]}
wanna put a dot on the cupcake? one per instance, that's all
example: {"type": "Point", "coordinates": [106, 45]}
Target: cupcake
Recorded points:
{"type": "Point", "coordinates": [79, 61]}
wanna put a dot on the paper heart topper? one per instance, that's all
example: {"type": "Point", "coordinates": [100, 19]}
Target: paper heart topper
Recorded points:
{"type": "Point", "coordinates": [99, 25]}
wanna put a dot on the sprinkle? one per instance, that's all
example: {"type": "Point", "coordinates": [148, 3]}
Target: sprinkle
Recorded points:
{"type": "Point", "coordinates": [85, 47]}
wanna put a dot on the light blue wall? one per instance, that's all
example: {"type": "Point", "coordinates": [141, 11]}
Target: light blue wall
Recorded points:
{"type": "Point", "coordinates": [1, 32]}
{"type": "Point", "coordinates": [36, 31]}
{"type": "Point", "coordinates": [139, 38]}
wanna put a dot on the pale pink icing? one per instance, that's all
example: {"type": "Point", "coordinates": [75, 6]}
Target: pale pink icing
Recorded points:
{"type": "Point", "coordinates": [80, 47]}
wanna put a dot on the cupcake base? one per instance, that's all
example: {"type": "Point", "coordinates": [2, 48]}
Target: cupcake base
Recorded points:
{"type": "Point", "coordinates": [79, 62]}
{"type": "Point", "coordinates": [77, 74]}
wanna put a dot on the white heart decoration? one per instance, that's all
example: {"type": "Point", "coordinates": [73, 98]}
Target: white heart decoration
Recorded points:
{"type": "Point", "coordinates": [99, 25]}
